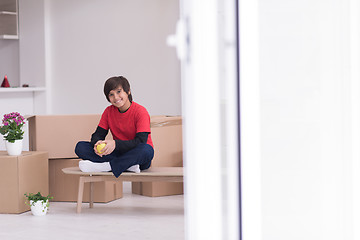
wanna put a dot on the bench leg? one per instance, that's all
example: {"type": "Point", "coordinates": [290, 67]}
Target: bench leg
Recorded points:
{"type": "Point", "coordinates": [80, 194]}
{"type": "Point", "coordinates": [91, 180]}
{"type": "Point", "coordinates": [91, 197]}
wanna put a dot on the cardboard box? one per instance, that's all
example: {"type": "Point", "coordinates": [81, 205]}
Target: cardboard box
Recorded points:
{"type": "Point", "coordinates": [26, 173]}
{"type": "Point", "coordinates": [166, 133]}
{"type": "Point", "coordinates": [58, 134]}
{"type": "Point", "coordinates": [64, 187]}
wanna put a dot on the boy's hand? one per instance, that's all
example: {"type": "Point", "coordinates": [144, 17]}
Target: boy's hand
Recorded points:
{"type": "Point", "coordinates": [109, 147]}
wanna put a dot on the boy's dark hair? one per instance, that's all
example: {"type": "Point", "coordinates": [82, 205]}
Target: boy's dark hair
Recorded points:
{"type": "Point", "coordinates": [113, 83]}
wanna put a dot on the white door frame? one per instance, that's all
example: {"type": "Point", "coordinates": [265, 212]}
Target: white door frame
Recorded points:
{"type": "Point", "coordinates": [355, 114]}
{"type": "Point", "coordinates": [207, 44]}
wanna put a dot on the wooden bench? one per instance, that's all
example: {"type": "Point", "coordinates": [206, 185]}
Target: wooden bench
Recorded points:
{"type": "Point", "coordinates": [153, 174]}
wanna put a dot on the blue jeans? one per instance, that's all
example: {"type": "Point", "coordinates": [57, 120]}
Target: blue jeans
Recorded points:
{"type": "Point", "coordinates": [142, 154]}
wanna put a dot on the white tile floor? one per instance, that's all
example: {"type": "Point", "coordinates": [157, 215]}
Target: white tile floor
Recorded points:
{"type": "Point", "coordinates": [133, 217]}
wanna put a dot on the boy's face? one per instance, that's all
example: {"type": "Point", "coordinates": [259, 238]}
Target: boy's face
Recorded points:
{"type": "Point", "coordinates": [119, 98]}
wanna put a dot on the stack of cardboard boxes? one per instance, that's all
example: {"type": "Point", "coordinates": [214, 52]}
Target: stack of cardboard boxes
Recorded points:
{"type": "Point", "coordinates": [26, 173]}
{"type": "Point", "coordinates": [166, 133]}
{"type": "Point", "coordinates": [58, 135]}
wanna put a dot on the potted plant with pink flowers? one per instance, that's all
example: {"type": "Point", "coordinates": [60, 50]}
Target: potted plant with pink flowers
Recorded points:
{"type": "Point", "coordinates": [13, 132]}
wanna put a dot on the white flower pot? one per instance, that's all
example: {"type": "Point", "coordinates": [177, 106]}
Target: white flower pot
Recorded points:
{"type": "Point", "coordinates": [39, 208]}
{"type": "Point", "coordinates": [14, 149]}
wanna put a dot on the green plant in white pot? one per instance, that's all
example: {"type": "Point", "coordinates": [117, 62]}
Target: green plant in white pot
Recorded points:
{"type": "Point", "coordinates": [39, 204]}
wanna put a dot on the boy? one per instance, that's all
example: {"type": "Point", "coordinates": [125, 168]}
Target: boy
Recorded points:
{"type": "Point", "coordinates": [131, 148]}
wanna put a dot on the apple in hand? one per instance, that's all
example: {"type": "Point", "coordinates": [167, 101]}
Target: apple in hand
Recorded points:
{"type": "Point", "coordinates": [100, 147]}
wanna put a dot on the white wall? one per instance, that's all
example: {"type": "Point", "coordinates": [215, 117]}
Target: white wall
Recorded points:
{"type": "Point", "coordinates": [9, 65]}
{"type": "Point", "coordinates": [32, 43]}
{"type": "Point", "coordinates": [72, 47]}
{"type": "Point", "coordinates": [90, 41]}
{"type": "Point", "coordinates": [304, 89]}
{"type": "Point", "coordinates": [9, 61]}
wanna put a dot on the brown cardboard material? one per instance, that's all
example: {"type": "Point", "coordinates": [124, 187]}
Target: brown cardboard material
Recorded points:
{"type": "Point", "coordinates": [64, 187]}
{"type": "Point", "coordinates": [166, 133]}
{"type": "Point", "coordinates": [58, 134]}
{"type": "Point", "coordinates": [26, 173]}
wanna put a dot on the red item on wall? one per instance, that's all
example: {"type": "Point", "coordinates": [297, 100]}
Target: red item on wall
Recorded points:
{"type": "Point", "coordinates": [5, 83]}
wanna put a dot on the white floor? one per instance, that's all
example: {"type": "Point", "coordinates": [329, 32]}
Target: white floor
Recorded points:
{"type": "Point", "coordinates": [132, 217]}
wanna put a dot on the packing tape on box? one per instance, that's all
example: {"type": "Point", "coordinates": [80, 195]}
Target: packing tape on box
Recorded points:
{"type": "Point", "coordinates": [173, 122]}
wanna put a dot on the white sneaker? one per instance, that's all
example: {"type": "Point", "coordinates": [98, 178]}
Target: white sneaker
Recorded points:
{"type": "Point", "coordinates": [134, 168]}
{"type": "Point", "coordinates": [89, 166]}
